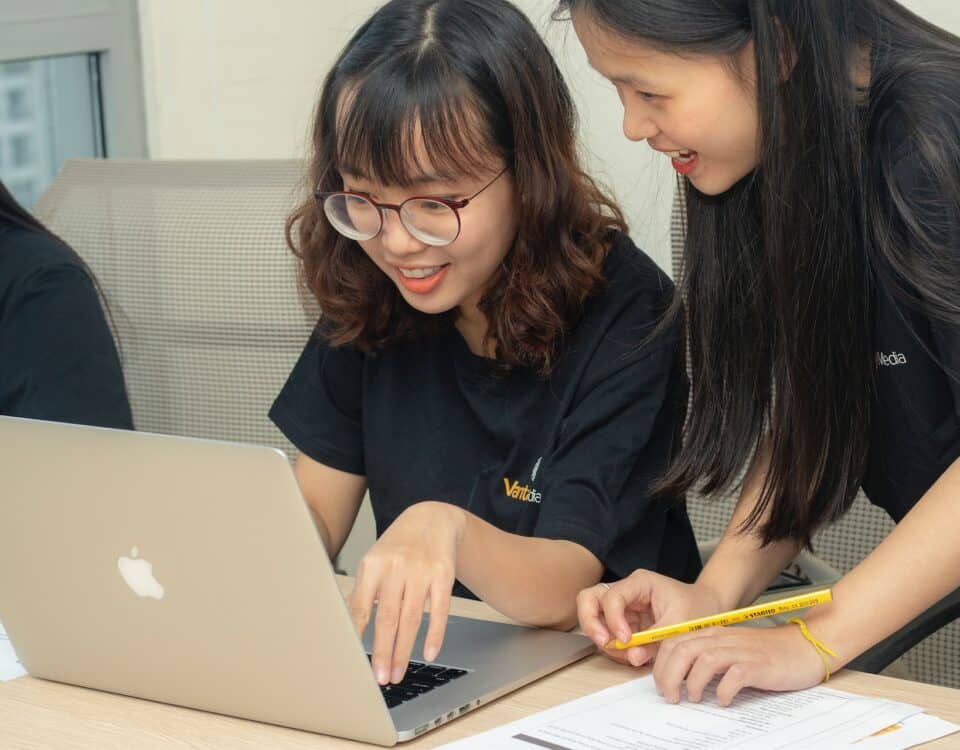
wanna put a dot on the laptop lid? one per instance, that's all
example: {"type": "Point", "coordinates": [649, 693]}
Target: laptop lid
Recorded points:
{"type": "Point", "coordinates": [179, 570]}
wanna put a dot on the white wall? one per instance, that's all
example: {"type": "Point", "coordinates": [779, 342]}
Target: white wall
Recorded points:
{"type": "Point", "coordinates": [239, 79]}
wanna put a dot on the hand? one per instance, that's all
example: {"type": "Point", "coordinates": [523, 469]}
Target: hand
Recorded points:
{"type": "Point", "coordinates": [413, 562]}
{"type": "Point", "coordinates": [767, 658]}
{"type": "Point", "coordinates": [643, 600]}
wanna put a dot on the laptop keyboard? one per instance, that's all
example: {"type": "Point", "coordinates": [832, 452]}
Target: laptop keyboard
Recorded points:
{"type": "Point", "coordinates": [420, 678]}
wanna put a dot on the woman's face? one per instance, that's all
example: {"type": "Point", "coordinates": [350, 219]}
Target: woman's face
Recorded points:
{"type": "Point", "coordinates": [696, 110]}
{"type": "Point", "coordinates": [437, 279]}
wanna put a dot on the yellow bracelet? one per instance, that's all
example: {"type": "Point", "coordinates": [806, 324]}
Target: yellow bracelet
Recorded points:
{"type": "Point", "coordinates": [821, 648]}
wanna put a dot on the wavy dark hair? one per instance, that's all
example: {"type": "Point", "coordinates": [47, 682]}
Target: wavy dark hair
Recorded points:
{"type": "Point", "coordinates": [463, 81]}
{"type": "Point", "coordinates": [779, 270]}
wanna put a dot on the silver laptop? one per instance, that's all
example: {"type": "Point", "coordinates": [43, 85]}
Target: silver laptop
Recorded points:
{"type": "Point", "coordinates": [190, 572]}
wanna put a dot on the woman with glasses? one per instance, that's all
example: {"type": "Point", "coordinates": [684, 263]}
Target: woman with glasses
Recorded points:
{"type": "Point", "coordinates": [483, 364]}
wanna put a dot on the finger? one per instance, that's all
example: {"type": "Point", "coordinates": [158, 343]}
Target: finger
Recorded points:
{"type": "Point", "coordinates": [411, 614]}
{"type": "Point", "coordinates": [360, 602]}
{"type": "Point", "coordinates": [709, 664]}
{"type": "Point", "coordinates": [665, 648]}
{"type": "Point", "coordinates": [638, 656]}
{"type": "Point", "coordinates": [590, 615]}
{"type": "Point", "coordinates": [638, 620]}
{"type": "Point", "coordinates": [615, 603]}
{"type": "Point", "coordinates": [440, 594]}
{"type": "Point", "coordinates": [674, 662]}
{"type": "Point", "coordinates": [385, 628]}
{"type": "Point", "coordinates": [737, 677]}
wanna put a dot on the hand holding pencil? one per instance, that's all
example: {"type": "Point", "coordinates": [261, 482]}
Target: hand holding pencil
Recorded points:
{"type": "Point", "coordinates": [641, 601]}
{"type": "Point", "coordinates": [722, 619]}
{"type": "Point", "coordinates": [655, 606]}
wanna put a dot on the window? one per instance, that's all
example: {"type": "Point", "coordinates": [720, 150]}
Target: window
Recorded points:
{"type": "Point", "coordinates": [70, 87]}
{"type": "Point", "coordinates": [52, 114]}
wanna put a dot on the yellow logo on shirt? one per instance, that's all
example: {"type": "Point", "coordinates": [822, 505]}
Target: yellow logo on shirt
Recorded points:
{"type": "Point", "coordinates": [522, 492]}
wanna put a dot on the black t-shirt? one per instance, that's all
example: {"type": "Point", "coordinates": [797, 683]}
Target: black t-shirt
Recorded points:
{"type": "Point", "coordinates": [568, 457]}
{"type": "Point", "coordinates": [916, 410]}
{"type": "Point", "coordinates": [57, 357]}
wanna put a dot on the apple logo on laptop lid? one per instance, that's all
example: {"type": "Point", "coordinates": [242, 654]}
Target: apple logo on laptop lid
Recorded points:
{"type": "Point", "coordinates": [138, 575]}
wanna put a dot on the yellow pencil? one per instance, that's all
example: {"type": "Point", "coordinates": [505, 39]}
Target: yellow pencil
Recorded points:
{"type": "Point", "coordinates": [779, 606]}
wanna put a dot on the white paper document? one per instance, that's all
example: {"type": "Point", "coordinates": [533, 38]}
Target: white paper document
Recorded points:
{"type": "Point", "coordinates": [10, 666]}
{"type": "Point", "coordinates": [634, 716]}
{"type": "Point", "coordinates": [916, 730]}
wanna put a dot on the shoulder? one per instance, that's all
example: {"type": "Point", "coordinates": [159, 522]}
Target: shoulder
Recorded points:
{"type": "Point", "coordinates": [629, 270]}
{"type": "Point", "coordinates": [913, 166]}
{"type": "Point", "coordinates": [615, 329]}
{"type": "Point", "coordinates": [637, 291]}
{"type": "Point", "coordinates": [913, 121]}
{"type": "Point", "coordinates": [28, 257]}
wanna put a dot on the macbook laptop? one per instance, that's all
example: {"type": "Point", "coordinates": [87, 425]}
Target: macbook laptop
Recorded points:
{"type": "Point", "coordinates": [190, 572]}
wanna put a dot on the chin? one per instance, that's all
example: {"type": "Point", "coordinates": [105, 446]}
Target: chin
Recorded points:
{"type": "Point", "coordinates": [426, 305]}
{"type": "Point", "coordinates": [714, 184]}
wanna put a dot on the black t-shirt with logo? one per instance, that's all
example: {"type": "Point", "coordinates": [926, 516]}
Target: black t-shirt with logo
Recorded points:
{"type": "Point", "coordinates": [569, 457]}
{"type": "Point", "coordinates": [57, 356]}
{"type": "Point", "coordinates": [916, 409]}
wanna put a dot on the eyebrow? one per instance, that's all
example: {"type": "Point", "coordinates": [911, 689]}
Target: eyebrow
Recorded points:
{"type": "Point", "coordinates": [629, 81]}
{"type": "Point", "coordinates": [420, 179]}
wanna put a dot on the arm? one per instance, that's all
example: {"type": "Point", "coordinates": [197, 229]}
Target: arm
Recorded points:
{"type": "Point", "coordinates": [917, 564]}
{"type": "Point", "coordinates": [913, 568]}
{"type": "Point", "coordinates": [334, 498]}
{"type": "Point", "coordinates": [737, 572]}
{"type": "Point", "coordinates": [427, 547]}
{"type": "Point", "coordinates": [530, 579]}
{"type": "Point", "coordinates": [740, 567]}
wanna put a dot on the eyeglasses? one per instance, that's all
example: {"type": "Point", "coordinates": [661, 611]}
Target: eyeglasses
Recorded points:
{"type": "Point", "coordinates": [433, 221]}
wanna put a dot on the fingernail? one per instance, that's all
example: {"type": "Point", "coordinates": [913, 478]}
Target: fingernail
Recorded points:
{"type": "Point", "coordinates": [634, 658]}
{"type": "Point", "coordinates": [430, 653]}
{"type": "Point", "coordinates": [382, 676]}
{"type": "Point", "coordinates": [600, 641]}
{"type": "Point", "coordinates": [624, 636]}
{"type": "Point", "coordinates": [398, 674]}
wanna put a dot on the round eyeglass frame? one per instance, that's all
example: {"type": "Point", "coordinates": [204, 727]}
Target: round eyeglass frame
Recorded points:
{"type": "Point", "coordinates": [454, 205]}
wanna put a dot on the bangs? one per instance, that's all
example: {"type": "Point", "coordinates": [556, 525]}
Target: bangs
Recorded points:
{"type": "Point", "coordinates": [411, 121]}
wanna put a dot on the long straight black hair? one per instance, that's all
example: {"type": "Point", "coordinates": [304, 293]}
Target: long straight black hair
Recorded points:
{"type": "Point", "coordinates": [779, 270]}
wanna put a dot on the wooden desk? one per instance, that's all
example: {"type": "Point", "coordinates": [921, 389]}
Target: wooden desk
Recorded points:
{"type": "Point", "coordinates": [40, 714]}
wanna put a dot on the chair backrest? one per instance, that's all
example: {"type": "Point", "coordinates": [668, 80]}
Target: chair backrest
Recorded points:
{"type": "Point", "coordinates": [841, 545]}
{"type": "Point", "coordinates": [200, 285]}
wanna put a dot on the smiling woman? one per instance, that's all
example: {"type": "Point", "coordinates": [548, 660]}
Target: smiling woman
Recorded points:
{"type": "Point", "coordinates": [820, 145]}
{"type": "Point", "coordinates": [484, 364]}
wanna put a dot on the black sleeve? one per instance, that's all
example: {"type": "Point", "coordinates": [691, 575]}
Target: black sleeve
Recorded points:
{"type": "Point", "coordinates": [57, 354]}
{"type": "Point", "coordinates": [320, 407]}
{"type": "Point", "coordinates": [613, 444]}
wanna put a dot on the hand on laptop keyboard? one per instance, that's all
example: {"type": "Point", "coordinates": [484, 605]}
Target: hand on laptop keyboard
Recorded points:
{"type": "Point", "coordinates": [419, 679]}
{"type": "Point", "coordinates": [413, 562]}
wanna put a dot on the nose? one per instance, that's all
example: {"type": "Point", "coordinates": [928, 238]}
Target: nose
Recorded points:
{"type": "Point", "coordinates": [395, 237]}
{"type": "Point", "coordinates": [637, 125]}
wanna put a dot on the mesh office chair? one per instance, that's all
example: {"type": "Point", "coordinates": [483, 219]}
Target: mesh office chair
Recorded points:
{"type": "Point", "coordinates": [930, 644]}
{"type": "Point", "coordinates": [202, 289]}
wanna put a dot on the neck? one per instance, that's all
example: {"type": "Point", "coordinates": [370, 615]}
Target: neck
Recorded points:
{"type": "Point", "coordinates": [472, 325]}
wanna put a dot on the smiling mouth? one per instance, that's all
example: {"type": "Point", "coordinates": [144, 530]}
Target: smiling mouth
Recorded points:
{"type": "Point", "coordinates": [684, 157]}
{"type": "Point", "coordinates": [421, 273]}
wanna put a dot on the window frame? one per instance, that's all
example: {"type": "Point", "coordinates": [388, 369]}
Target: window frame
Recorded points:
{"type": "Point", "coordinates": [108, 28]}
